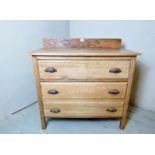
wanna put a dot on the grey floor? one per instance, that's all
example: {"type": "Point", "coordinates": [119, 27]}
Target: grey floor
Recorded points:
{"type": "Point", "coordinates": [28, 121]}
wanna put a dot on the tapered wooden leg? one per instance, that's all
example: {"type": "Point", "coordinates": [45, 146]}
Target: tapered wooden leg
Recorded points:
{"type": "Point", "coordinates": [122, 122]}
{"type": "Point", "coordinates": [43, 123]}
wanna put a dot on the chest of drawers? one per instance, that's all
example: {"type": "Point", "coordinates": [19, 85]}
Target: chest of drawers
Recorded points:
{"type": "Point", "coordinates": [84, 79]}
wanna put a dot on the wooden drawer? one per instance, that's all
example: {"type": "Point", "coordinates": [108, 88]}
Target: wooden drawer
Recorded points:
{"type": "Point", "coordinates": [83, 70]}
{"type": "Point", "coordinates": [83, 90]}
{"type": "Point", "coordinates": [83, 108]}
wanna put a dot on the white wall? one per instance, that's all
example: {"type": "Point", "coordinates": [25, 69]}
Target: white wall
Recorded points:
{"type": "Point", "coordinates": [136, 35]}
{"type": "Point", "coordinates": [17, 38]}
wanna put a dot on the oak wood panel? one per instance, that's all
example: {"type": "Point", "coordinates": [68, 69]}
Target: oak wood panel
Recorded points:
{"type": "Point", "coordinates": [83, 108]}
{"type": "Point", "coordinates": [83, 58]}
{"type": "Point", "coordinates": [93, 43]}
{"type": "Point", "coordinates": [127, 98]}
{"type": "Point", "coordinates": [83, 90]}
{"type": "Point", "coordinates": [85, 52]}
{"type": "Point", "coordinates": [39, 94]}
{"type": "Point", "coordinates": [83, 70]}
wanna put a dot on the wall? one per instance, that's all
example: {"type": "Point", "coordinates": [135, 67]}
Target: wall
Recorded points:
{"type": "Point", "coordinates": [136, 35]}
{"type": "Point", "coordinates": [17, 38]}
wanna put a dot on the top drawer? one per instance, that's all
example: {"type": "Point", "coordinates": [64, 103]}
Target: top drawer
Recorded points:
{"type": "Point", "coordinates": [64, 70]}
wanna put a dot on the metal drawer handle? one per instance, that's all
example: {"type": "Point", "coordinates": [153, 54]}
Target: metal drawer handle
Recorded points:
{"type": "Point", "coordinates": [55, 110]}
{"type": "Point", "coordinates": [112, 109]}
{"type": "Point", "coordinates": [53, 92]}
{"type": "Point", "coordinates": [50, 70]}
{"type": "Point", "coordinates": [115, 70]}
{"type": "Point", "coordinates": [114, 91]}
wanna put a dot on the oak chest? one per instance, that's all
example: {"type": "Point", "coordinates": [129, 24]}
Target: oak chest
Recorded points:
{"type": "Point", "coordinates": [83, 78]}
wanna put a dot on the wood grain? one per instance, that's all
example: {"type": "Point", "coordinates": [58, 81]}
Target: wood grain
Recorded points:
{"type": "Point", "coordinates": [127, 98]}
{"type": "Point", "coordinates": [92, 43]}
{"type": "Point", "coordinates": [83, 70]}
{"type": "Point", "coordinates": [84, 52]}
{"type": "Point", "coordinates": [83, 108]}
{"type": "Point", "coordinates": [39, 94]}
{"type": "Point", "coordinates": [83, 58]}
{"type": "Point", "coordinates": [83, 90]}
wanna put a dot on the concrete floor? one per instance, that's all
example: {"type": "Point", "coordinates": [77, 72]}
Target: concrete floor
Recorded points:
{"type": "Point", "coordinates": [28, 121]}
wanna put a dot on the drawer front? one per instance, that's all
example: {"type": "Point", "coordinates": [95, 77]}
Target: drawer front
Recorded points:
{"type": "Point", "coordinates": [83, 70]}
{"type": "Point", "coordinates": [83, 90]}
{"type": "Point", "coordinates": [83, 109]}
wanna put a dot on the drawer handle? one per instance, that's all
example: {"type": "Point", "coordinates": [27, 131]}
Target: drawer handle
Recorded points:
{"type": "Point", "coordinates": [53, 92]}
{"type": "Point", "coordinates": [55, 110]}
{"type": "Point", "coordinates": [115, 70]}
{"type": "Point", "coordinates": [114, 91]}
{"type": "Point", "coordinates": [112, 109]}
{"type": "Point", "coordinates": [50, 70]}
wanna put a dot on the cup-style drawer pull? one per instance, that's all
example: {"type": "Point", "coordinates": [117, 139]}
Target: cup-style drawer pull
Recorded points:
{"type": "Point", "coordinates": [112, 109]}
{"type": "Point", "coordinates": [55, 110]}
{"type": "Point", "coordinates": [115, 70]}
{"type": "Point", "coordinates": [114, 91]}
{"type": "Point", "coordinates": [53, 92]}
{"type": "Point", "coordinates": [50, 70]}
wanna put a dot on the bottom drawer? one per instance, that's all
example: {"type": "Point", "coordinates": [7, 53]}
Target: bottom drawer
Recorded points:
{"type": "Point", "coordinates": [83, 109]}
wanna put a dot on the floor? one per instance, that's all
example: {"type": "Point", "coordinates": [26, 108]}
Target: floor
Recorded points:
{"type": "Point", "coordinates": [28, 121]}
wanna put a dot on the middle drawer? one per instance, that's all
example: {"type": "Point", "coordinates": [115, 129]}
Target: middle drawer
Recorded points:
{"type": "Point", "coordinates": [83, 90]}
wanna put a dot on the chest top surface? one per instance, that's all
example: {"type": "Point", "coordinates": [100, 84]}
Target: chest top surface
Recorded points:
{"type": "Point", "coordinates": [63, 51]}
